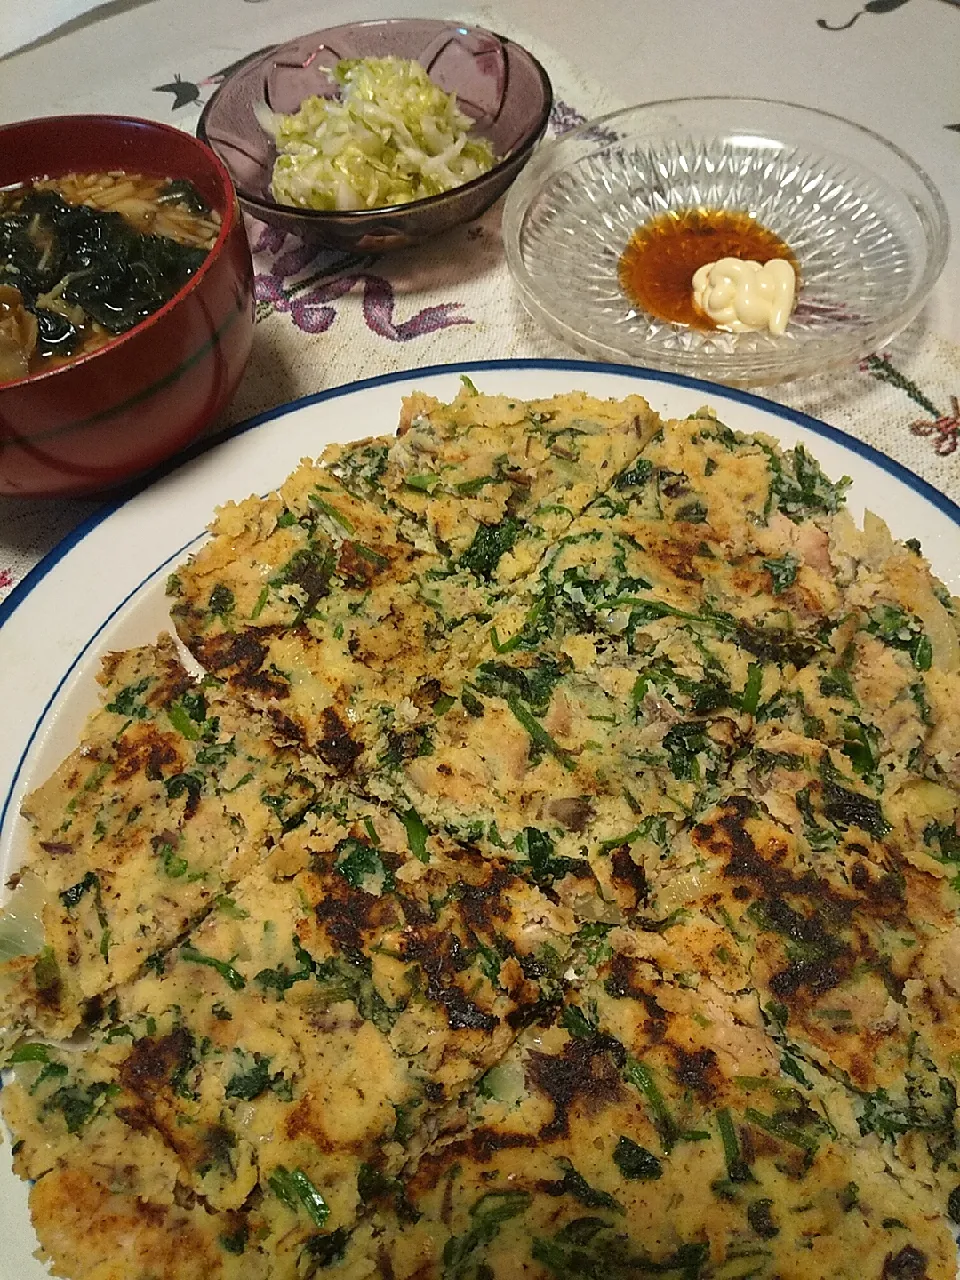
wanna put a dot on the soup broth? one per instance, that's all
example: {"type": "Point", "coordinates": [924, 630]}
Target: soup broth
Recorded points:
{"type": "Point", "coordinates": [85, 257]}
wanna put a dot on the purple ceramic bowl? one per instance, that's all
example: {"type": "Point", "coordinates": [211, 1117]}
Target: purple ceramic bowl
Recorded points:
{"type": "Point", "coordinates": [497, 83]}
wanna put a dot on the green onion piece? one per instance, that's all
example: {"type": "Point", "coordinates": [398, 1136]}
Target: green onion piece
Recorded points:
{"type": "Point", "coordinates": [331, 512]}
{"type": "Point", "coordinates": [467, 488]}
{"type": "Point", "coordinates": [507, 646]}
{"type": "Point", "coordinates": [737, 1168]}
{"type": "Point", "coordinates": [423, 484]}
{"type": "Point", "coordinates": [295, 1190]}
{"type": "Point", "coordinates": [539, 735]}
{"type": "Point", "coordinates": [174, 867]}
{"type": "Point", "coordinates": [782, 1129]}
{"type": "Point", "coordinates": [30, 1053]}
{"type": "Point", "coordinates": [750, 698]}
{"type": "Point", "coordinates": [373, 557]}
{"type": "Point", "coordinates": [182, 722]}
{"type": "Point", "coordinates": [416, 834]}
{"type": "Point", "coordinates": [651, 610]}
{"type": "Point", "coordinates": [262, 599]}
{"type": "Point", "coordinates": [639, 1075]}
{"type": "Point", "coordinates": [223, 902]}
{"type": "Point", "coordinates": [923, 654]}
{"type": "Point", "coordinates": [617, 842]}
{"type": "Point", "coordinates": [227, 971]}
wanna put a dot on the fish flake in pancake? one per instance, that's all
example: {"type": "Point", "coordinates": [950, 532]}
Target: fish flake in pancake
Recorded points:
{"type": "Point", "coordinates": [170, 799]}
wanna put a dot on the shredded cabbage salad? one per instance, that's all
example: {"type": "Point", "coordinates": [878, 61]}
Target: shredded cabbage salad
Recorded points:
{"type": "Point", "coordinates": [391, 137]}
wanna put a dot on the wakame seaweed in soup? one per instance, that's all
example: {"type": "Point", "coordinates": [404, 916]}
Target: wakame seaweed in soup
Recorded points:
{"type": "Point", "coordinates": [86, 257]}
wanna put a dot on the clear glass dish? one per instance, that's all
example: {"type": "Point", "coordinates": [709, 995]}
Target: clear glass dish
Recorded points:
{"type": "Point", "coordinates": [867, 227]}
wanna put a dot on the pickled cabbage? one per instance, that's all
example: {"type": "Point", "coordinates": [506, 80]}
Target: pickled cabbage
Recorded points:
{"type": "Point", "coordinates": [392, 136]}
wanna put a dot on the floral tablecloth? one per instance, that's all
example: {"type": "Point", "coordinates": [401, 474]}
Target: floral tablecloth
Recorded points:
{"type": "Point", "coordinates": [327, 318]}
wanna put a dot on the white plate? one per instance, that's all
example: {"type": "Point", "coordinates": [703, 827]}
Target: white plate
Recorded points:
{"type": "Point", "coordinates": [102, 588]}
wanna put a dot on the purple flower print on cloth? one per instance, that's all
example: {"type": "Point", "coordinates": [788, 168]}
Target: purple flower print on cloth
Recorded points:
{"type": "Point", "coordinates": [327, 276]}
{"type": "Point", "coordinates": [311, 312]}
{"type": "Point", "coordinates": [378, 313]}
{"type": "Point", "coordinates": [563, 118]}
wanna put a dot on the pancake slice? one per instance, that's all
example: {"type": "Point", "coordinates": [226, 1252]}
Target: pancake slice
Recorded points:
{"type": "Point", "coordinates": [313, 1033]}
{"type": "Point", "coordinates": [307, 604]}
{"type": "Point", "coordinates": [491, 481]}
{"type": "Point", "coordinates": [172, 796]}
{"type": "Point", "coordinates": [586, 1154]}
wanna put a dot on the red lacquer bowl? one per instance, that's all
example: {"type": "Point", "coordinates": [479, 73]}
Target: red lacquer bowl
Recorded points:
{"type": "Point", "coordinates": [106, 417]}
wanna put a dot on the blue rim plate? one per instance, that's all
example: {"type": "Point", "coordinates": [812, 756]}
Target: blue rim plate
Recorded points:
{"type": "Point", "coordinates": [102, 587]}
{"type": "Point", "coordinates": [711, 390]}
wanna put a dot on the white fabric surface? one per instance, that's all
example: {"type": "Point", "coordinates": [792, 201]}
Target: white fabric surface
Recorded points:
{"type": "Point", "coordinates": [24, 21]}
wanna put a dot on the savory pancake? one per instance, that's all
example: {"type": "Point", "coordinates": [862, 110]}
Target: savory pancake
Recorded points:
{"type": "Point", "coordinates": [555, 874]}
{"type": "Point", "coordinates": [172, 796]}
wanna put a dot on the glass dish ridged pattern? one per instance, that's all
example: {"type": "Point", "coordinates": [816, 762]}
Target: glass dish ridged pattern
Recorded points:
{"type": "Point", "coordinates": [867, 227]}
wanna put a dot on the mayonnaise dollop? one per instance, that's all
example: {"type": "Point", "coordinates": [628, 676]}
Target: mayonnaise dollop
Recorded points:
{"type": "Point", "coordinates": [744, 296]}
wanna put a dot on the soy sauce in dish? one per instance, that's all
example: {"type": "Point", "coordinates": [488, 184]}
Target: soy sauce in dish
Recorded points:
{"type": "Point", "coordinates": [656, 269]}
